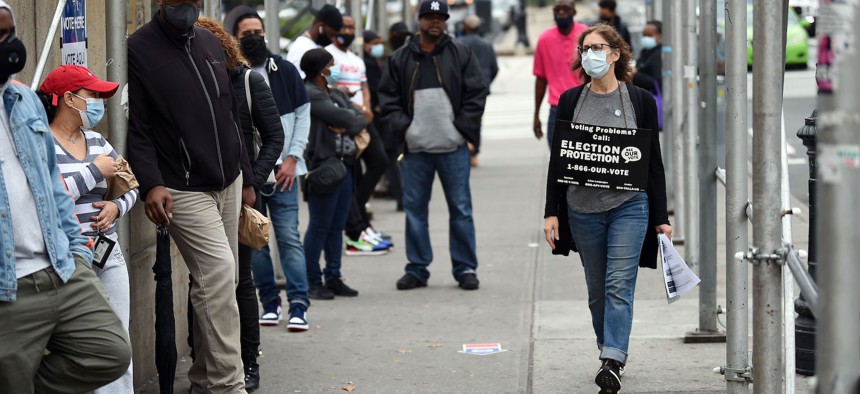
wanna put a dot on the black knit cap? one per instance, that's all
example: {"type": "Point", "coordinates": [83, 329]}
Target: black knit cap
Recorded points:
{"type": "Point", "coordinates": [314, 61]}
{"type": "Point", "coordinates": [330, 16]}
{"type": "Point", "coordinates": [238, 14]}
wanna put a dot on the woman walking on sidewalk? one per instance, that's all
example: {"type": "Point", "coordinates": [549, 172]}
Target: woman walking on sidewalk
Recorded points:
{"type": "Point", "coordinates": [614, 232]}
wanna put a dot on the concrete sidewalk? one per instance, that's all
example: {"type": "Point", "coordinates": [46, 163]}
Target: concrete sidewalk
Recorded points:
{"type": "Point", "coordinates": [534, 304]}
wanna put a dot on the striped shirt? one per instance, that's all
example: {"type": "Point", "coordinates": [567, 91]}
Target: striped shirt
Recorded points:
{"type": "Point", "coordinates": [86, 183]}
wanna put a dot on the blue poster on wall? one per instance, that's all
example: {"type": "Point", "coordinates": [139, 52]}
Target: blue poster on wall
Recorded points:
{"type": "Point", "coordinates": [74, 39]}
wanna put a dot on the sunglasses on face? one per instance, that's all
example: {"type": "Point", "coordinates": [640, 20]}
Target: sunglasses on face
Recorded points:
{"type": "Point", "coordinates": [593, 47]}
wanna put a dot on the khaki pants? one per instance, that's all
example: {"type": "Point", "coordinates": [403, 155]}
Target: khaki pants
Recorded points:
{"type": "Point", "coordinates": [205, 228]}
{"type": "Point", "coordinates": [88, 345]}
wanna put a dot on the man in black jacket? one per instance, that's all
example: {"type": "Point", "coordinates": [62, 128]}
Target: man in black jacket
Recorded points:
{"type": "Point", "coordinates": [189, 157]}
{"type": "Point", "coordinates": [433, 91]}
{"type": "Point", "coordinates": [281, 199]}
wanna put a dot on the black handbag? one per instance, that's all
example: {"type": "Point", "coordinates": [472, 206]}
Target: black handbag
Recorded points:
{"type": "Point", "coordinates": [327, 176]}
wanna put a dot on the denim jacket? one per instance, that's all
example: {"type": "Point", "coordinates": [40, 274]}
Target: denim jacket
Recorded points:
{"type": "Point", "coordinates": [60, 229]}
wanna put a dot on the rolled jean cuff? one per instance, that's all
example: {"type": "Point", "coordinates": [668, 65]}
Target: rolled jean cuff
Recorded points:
{"type": "Point", "coordinates": [614, 354]}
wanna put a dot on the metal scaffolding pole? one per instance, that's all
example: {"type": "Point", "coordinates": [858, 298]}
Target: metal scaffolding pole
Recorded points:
{"type": "Point", "coordinates": [737, 196]}
{"type": "Point", "coordinates": [355, 13]}
{"type": "Point", "coordinates": [678, 87]}
{"type": "Point", "coordinates": [212, 9]}
{"type": "Point", "coordinates": [273, 25]}
{"type": "Point", "coordinates": [669, 103]}
{"type": "Point", "coordinates": [768, 74]}
{"type": "Point", "coordinates": [837, 342]}
{"type": "Point", "coordinates": [406, 14]}
{"type": "Point", "coordinates": [691, 123]}
{"type": "Point", "coordinates": [381, 25]}
{"type": "Point", "coordinates": [707, 164]}
{"type": "Point", "coordinates": [117, 71]}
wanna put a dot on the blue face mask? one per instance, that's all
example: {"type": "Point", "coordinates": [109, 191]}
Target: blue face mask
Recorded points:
{"type": "Point", "coordinates": [377, 50]}
{"type": "Point", "coordinates": [595, 64]}
{"type": "Point", "coordinates": [648, 42]}
{"type": "Point", "coordinates": [93, 114]}
{"type": "Point", "coordinates": [334, 76]}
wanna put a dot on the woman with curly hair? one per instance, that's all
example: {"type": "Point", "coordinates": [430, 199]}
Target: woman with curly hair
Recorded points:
{"type": "Point", "coordinates": [615, 232]}
{"type": "Point", "coordinates": [260, 116]}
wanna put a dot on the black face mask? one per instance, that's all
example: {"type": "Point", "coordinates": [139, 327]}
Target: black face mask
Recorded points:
{"type": "Point", "coordinates": [254, 48]}
{"type": "Point", "coordinates": [322, 39]}
{"type": "Point", "coordinates": [181, 16]}
{"type": "Point", "coordinates": [606, 19]}
{"type": "Point", "coordinates": [13, 56]}
{"type": "Point", "coordinates": [345, 40]}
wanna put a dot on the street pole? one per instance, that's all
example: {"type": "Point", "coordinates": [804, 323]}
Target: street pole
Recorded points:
{"type": "Point", "coordinates": [707, 180]}
{"type": "Point", "coordinates": [273, 25]}
{"type": "Point", "coordinates": [838, 346]}
{"type": "Point", "coordinates": [669, 103]}
{"type": "Point", "coordinates": [737, 196]}
{"type": "Point", "coordinates": [691, 124]}
{"type": "Point", "coordinates": [678, 89]}
{"type": "Point", "coordinates": [804, 325]}
{"type": "Point", "coordinates": [117, 71]}
{"type": "Point", "coordinates": [768, 74]}
{"type": "Point", "coordinates": [381, 20]}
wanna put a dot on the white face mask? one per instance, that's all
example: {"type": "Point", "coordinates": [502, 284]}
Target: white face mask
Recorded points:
{"type": "Point", "coordinates": [595, 64]}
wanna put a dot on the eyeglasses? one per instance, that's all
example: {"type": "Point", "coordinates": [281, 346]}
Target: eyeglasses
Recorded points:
{"type": "Point", "coordinates": [593, 47]}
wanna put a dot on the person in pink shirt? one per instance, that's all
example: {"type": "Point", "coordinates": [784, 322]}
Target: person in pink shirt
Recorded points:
{"type": "Point", "coordinates": [554, 55]}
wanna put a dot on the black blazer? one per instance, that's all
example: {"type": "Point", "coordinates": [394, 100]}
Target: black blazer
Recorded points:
{"type": "Point", "coordinates": [556, 194]}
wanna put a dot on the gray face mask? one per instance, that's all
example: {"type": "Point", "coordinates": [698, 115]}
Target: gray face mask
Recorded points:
{"type": "Point", "coordinates": [181, 16]}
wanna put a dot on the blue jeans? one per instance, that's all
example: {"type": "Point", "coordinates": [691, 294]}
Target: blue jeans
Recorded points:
{"type": "Point", "coordinates": [283, 207]}
{"type": "Point", "coordinates": [328, 213]}
{"type": "Point", "coordinates": [609, 245]}
{"type": "Point", "coordinates": [550, 124]}
{"type": "Point", "coordinates": [419, 171]}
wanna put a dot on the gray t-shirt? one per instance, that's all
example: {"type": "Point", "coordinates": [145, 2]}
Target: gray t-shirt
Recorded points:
{"type": "Point", "coordinates": [603, 110]}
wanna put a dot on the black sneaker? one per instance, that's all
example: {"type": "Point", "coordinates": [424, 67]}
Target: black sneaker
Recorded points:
{"type": "Point", "coordinates": [468, 282]}
{"type": "Point", "coordinates": [609, 376]}
{"type": "Point", "coordinates": [339, 288]}
{"type": "Point", "coordinates": [408, 282]}
{"type": "Point", "coordinates": [319, 292]}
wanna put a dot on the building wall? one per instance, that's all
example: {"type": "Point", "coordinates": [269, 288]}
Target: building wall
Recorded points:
{"type": "Point", "coordinates": [33, 19]}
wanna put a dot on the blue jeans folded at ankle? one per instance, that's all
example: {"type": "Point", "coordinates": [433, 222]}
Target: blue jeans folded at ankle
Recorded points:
{"type": "Point", "coordinates": [419, 171]}
{"type": "Point", "coordinates": [283, 208]}
{"type": "Point", "coordinates": [609, 246]}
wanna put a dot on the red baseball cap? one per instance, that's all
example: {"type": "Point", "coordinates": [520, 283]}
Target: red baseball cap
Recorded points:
{"type": "Point", "coordinates": [70, 78]}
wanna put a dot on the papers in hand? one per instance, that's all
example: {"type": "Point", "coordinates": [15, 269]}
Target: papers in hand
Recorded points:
{"type": "Point", "coordinates": [678, 278]}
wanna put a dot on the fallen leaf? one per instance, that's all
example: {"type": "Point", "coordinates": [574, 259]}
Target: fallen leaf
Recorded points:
{"type": "Point", "coordinates": [434, 346]}
{"type": "Point", "coordinates": [318, 326]}
{"type": "Point", "coordinates": [403, 351]}
{"type": "Point", "coordinates": [349, 387]}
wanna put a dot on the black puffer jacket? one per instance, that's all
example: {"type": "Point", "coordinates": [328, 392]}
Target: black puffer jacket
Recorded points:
{"type": "Point", "coordinates": [461, 76]}
{"type": "Point", "coordinates": [263, 115]}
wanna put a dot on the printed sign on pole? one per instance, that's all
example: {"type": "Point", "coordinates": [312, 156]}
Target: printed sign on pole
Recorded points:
{"type": "Point", "coordinates": [74, 38]}
{"type": "Point", "coordinates": [612, 158]}
{"type": "Point", "coordinates": [482, 349]}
